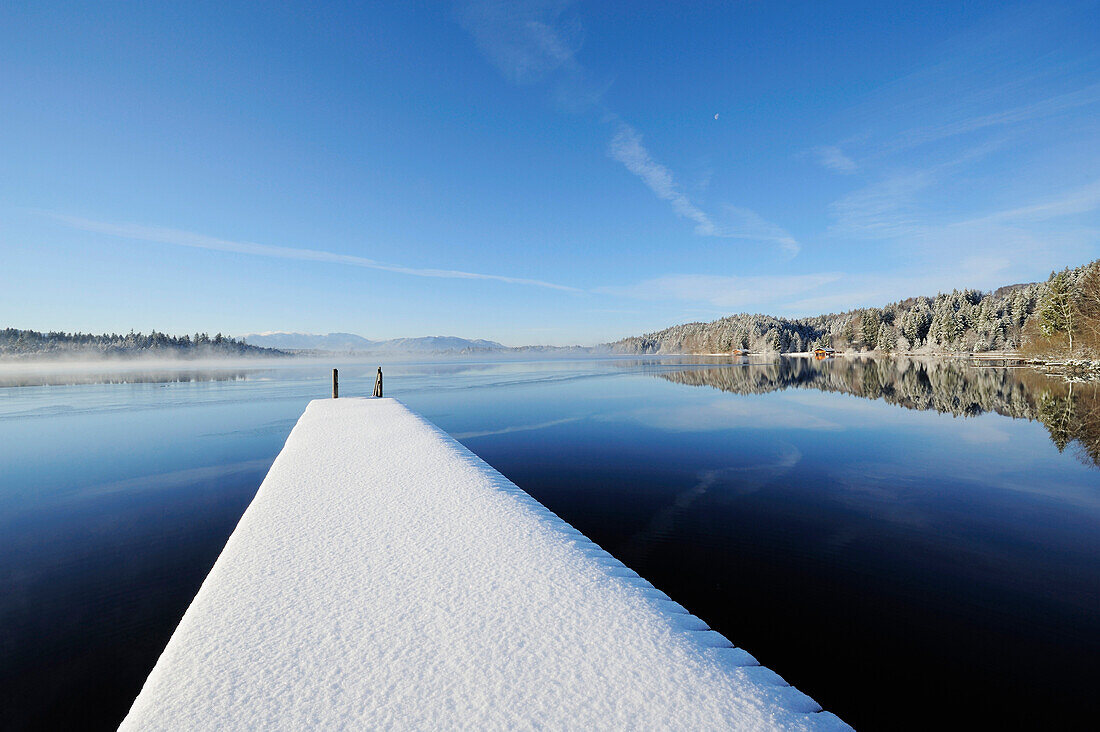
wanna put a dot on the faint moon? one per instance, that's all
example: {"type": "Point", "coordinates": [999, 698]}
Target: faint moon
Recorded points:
{"type": "Point", "coordinates": [716, 116]}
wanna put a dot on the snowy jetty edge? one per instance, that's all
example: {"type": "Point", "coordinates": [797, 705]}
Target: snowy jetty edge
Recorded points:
{"type": "Point", "coordinates": [385, 576]}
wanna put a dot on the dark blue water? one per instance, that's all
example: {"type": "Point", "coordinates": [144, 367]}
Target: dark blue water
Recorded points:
{"type": "Point", "coordinates": [914, 545]}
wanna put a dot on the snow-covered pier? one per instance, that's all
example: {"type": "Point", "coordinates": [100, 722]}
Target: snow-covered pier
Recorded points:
{"type": "Point", "coordinates": [386, 577]}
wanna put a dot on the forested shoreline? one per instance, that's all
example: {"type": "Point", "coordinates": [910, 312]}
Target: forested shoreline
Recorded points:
{"type": "Point", "coordinates": [1059, 318]}
{"type": "Point", "coordinates": [1051, 320]}
{"type": "Point", "coordinates": [18, 344]}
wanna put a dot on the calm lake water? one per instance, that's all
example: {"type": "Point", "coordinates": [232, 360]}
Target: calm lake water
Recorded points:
{"type": "Point", "coordinates": [915, 545]}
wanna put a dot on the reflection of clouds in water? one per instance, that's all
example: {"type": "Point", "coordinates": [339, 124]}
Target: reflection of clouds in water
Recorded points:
{"type": "Point", "coordinates": [981, 434]}
{"type": "Point", "coordinates": [154, 483]}
{"type": "Point", "coordinates": [738, 480]}
{"type": "Point", "coordinates": [725, 413]}
{"type": "Point", "coordinates": [889, 489]}
{"type": "Point", "coordinates": [278, 427]}
{"type": "Point", "coordinates": [499, 381]}
{"type": "Point", "coordinates": [884, 489]}
{"type": "Point", "coordinates": [1083, 496]}
{"type": "Point", "coordinates": [15, 375]}
{"type": "Point", "coordinates": [842, 537]}
{"type": "Point", "coordinates": [514, 428]}
{"type": "Point", "coordinates": [849, 404]}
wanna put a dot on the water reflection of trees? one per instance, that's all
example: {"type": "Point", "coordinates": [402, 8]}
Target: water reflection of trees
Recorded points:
{"type": "Point", "coordinates": [152, 376]}
{"type": "Point", "coordinates": [1069, 411]}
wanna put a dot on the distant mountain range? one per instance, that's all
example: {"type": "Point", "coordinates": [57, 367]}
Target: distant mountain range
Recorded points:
{"type": "Point", "coordinates": [350, 342]}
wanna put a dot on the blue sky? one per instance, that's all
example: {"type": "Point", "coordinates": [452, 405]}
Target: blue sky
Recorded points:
{"type": "Point", "coordinates": [535, 172]}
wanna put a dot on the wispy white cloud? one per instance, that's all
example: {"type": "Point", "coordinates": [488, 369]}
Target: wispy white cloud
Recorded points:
{"type": "Point", "coordinates": [530, 42]}
{"type": "Point", "coordinates": [525, 41]}
{"type": "Point", "coordinates": [514, 428]}
{"type": "Point", "coordinates": [743, 223]}
{"type": "Point", "coordinates": [534, 42]}
{"type": "Point", "coordinates": [824, 292]}
{"type": "Point", "coordinates": [177, 237]}
{"type": "Point", "coordinates": [1040, 109]}
{"type": "Point", "coordinates": [627, 148]}
{"type": "Point", "coordinates": [890, 207]}
{"type": "Point", "coordinates": [733, 413]}
{"type": "Point", "coordinates": [879, 288]}
{"type": "Point", "coordinates": [990, 91]}
{"type": "Point", "coordinates": [957, 265]}
{"type": "Point", "coordinates": [833, 158]}
{"type": "Point", "coordinates": [884, 209]}
{"type": "Point", "coordinates": [1020, 241]}
{"type": "Point", "coordinates": [1074, 201]}
{"type": "Point", "coordinates": [724, 292]}
{"type": "Point", "coordinates": [738, 222]}
{"type": "Point", "coordinates": [1010, 72]}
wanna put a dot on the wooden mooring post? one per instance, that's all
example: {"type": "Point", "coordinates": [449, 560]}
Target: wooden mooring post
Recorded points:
{"type": "Point", "coordinates": [336, 383]}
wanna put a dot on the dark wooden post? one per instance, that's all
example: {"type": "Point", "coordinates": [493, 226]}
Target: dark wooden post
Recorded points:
{"type": "Point", "coordinates": [335, 384]}
{"type": "Point", "coordinates": [378, 383]}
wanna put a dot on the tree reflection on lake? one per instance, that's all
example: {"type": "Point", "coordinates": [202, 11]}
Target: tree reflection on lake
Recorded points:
{"type": "Point", "coordinates": [60, 375]}
{"type": "Point", "coordinates": [1069, 411]}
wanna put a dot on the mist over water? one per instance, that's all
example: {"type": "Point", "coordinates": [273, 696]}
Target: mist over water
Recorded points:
{"type": "Point", "coordinates": [891, 536]}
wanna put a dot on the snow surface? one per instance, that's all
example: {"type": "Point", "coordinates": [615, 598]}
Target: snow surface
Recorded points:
{"type": "Point", "coordinates": [385, 576]}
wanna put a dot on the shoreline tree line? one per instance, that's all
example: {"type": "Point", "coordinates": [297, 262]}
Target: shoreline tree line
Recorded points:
{"type": "Point", "coordinates": [15, 343]}
{"type": "Point", "coordinates": [1059, 318]}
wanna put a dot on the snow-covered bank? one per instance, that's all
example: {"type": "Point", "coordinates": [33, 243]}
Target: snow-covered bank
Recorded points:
{"type": "Point", "coordinates": [1072, 369]}
{"type": "Point", "coordinates": [385, 576]}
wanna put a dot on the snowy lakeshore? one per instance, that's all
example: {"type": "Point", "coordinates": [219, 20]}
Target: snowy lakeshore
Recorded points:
{"type": "Point", "coordinates": [385, 576]}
